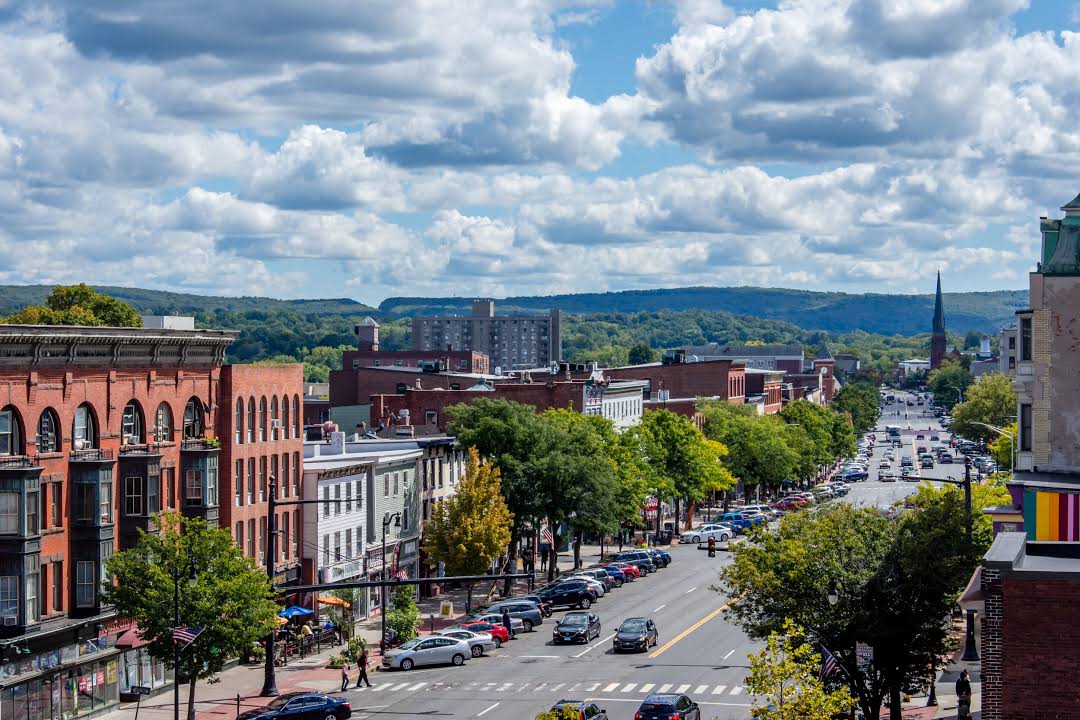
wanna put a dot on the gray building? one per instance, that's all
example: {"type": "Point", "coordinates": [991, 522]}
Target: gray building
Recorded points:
{"type": "Point", "coordinates": [789, 358]}
{"type": "Point", "coordinates": [1007, 350]}
{"type": "Point", "coordinates": [510, 341]}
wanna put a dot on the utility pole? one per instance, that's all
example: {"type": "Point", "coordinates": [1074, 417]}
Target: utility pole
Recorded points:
{"type": "Point", "coordinates": [970, 653]}
{"type": "Point", "coordinates": [269, 688]}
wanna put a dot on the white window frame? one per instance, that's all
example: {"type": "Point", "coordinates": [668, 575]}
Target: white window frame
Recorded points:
{"type": "Point", "coordinates": [85, 572]}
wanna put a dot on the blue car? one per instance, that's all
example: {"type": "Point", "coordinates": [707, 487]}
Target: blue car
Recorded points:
{"type": "Point", "coordinates": [661, 557]}
{"type": "Point", "coordinates": [737, 520]}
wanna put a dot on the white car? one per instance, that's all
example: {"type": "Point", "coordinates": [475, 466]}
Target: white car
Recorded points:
{"type": "Point", "coordinates": [479, 642]}
{"type": "Point", "coordinates": [702, 535]}
{"type": "Point", "coordinates": [592, 582]}
{"type": "Point", "coordinates": [765, 510]}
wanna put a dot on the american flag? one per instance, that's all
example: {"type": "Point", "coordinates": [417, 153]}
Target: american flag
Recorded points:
{"type": "Point", "coordinates": [402, 574]}
{"type": "Point", "coordinates": [185, 635]}
{"type": "Point", "coordinates": [829, 663]}
{"type": "Point", "coordinates": [546, 536]}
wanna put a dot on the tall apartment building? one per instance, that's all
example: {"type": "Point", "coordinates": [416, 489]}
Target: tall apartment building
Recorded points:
{"type": "Point", "coordinates": [510, 341]}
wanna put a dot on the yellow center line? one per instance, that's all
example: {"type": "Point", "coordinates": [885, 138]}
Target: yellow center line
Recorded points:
{"type": "Point", "coordinates": [670, 643]}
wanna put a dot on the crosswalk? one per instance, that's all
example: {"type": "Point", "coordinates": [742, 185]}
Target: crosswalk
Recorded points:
{"type": "Point", "coordinates": [583, 688]}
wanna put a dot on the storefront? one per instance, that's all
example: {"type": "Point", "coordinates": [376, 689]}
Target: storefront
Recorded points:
{"type": "Point", "coordinates": [61, 684]}
{"type": "Point", "coordinates": [138, 668]}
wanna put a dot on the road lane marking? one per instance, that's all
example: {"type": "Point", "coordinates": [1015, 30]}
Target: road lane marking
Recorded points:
{"type": "Point", "coordinates": [487, 710]}
{"type": "Point", "coordinates": [690, 590]}
{"type": "Point", "coordinates": [660, 608]}
{"type": "Point", "coordinates": [700, 689]}
{"type": "Point", "coordinates": [539, 687]}
{"type": "Point", "coordinates": [611, 687]}
{"type": "Point", "coordinates": [417, 686]}
{"type": "Point", "coordinates": [595, 645]}
{"type": "Point", "coordinates": [736, 690]}
{"type": "Point", "coordinates": [732, 650]}
{"type": "Point", "coordinates": [592, 688]}
{"type": "Point", "coordinates": [628, 687]}
{"type": "Point", "coordinates": [505, 686]}
{"type": "Point", "coordinates": [700, 702]}
{"type": "Point", "coordinates": [647, 687]}
{"type": "Point", "coordinates": [664, 688]}
{"type": "Point", "coordinates": [572, 688]}
{"type": "Point", "coordinates": [380, 686]}
{"type": "Point", "coordinates": [682, 688]}
{"type": "Point", "coordinates": [719, 689]}
{"type": "Point", "coordinates": [539, 657]}
{"type": "Point", "coordinates": [671, 643]}
{"type": "Point", "coordinates": [556, 687]}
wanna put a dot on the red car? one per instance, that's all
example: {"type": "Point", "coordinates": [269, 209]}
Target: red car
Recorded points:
{"type": "Point", "coordinates": [629, 571]}
{"type": "Point", "coordinates": [497, 631]}
{"type": "Point", "coordinates": [786, 505]}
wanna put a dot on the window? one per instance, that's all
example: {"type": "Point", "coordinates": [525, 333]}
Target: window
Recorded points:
{"type": "Point", "coordinates": [193, 487]}
{"type": "Point", "coordinates": [57, 511]}
{"type": "Point", "coordinates": [275, 419]}
{"type": "Point", "coordinates": [262, 539]}
{"type": "Point", "coordinates": [396, 484]}
{"type": "Point", "coordinates": [193, 419]}
{"type": "Point", "coordinates": [262, 419]}
{"type": "Point", "coordinates": [326, 501]}
{"type": "Point", "coordinates": [358, 496]}
{"type": "Point", "coordinates": [133, 498]}
{"type": "Point", "coordinates": [251, 481]}
{"type": "Point", "coordinates": [337, 498]}
{"type": "Point", "coordinates": [285, 474]}
{"type": "Point", "coordinates": [274, 469]}
{"type": "Point", "coordinates": [285, 427]}
{"type": "Point", "coordinates": [296, 415]}
{"type": "Point", "coordinates": [431, 418]}
{"type": "Point", "coordinates": [1025, 427]}
{"type": "Point", "coordinates": [163, 423]}
{"type": "Point", "coordinates": [251, 538]}
{"type": "Point", "coordinates": [211, 481]}
{"type": "Point", "coordinates": [9, 596]}
{"type": "Point", "coordinates": [105, 498]}
{"type": "Point", "coordinates": [32, 509]}
{"type": "Point", "coordinates": [348, 497]}
{"type": "Point", "coordinates": [48, 439]}
{"type": "Point", "coordinates": [58, 586]}
{"type": "Point", "coordinates": [296, 533]}
{"type": "Point", "coordinates": [296, 473]}
{"type": "Point", "coordinates": [348, 543]}
{"type": "Point", "coordinates": [405, 519]}
{"type": "Point", "coordinates": [238, 421]}
{"type": "Point", "coordinates": [84, 583]}
{"type": "Point", "coordinates": [170, 485]}
{"type": "Point", "coordinates": [131, 425]}
{"type": "Point", "coordinates": [262, 479]}
{"type": "Point", "coordinates": [337, 547]}
{"type": "Point", "coordinates": [326, 549]}
{"type": "Point", "coordinates": [251, 420]}
{"type": "Point", "coordinates": [238, 533]}
{"type": "Point", "coordinates": [153, 490]}
{"type": "Point", "coordinates": [1025, 339]}
{"type": "Point", "coordinates": [1012, 342]}
{"type": "Point", "coordinates": [238, 482]}
{"type": "Point", "coordinates": [10, 441]}
{"type": "Point", "coordinates": [386, 485]}
{"type": "Point", "coordinates": [83, 434]}
{"type": "Point", "coordinates": [283, 546]}
{"type": "Point", "coordinates": [33, 582]}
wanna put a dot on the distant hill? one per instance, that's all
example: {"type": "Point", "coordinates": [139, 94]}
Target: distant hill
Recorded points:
{"type": "Point", "coordinates": [829, 311]}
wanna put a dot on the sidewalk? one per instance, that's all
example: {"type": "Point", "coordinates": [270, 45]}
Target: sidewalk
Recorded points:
{"type": "Point", "coordinates": [945, 686]}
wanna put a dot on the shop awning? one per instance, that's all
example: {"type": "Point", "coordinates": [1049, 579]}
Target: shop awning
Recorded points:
{"type": "Point", "coordinates": [131, 639]}
{"type": "Point", "coordinates": [333, 600]}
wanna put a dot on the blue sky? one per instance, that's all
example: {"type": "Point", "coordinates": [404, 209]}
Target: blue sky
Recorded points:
{"type": "Point", "coordinates": [402, 147]}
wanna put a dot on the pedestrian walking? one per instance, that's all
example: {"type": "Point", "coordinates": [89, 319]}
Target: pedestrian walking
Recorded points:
{"type": "Point", "coordinates": [362, 665]}
{"type": "Point", "coordinates": [344, 676]}
{"type": "Point", "coordinates": [963, 696]}
{"type": "Point", "coordinates": [506, 622]}
{"type": "Point", "coordinates": [543, 558]}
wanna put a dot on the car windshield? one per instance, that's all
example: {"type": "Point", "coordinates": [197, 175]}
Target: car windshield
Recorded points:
{"type": "Point", "coordinates": [632, 626]}
{"type": "Point", "coordinates": [411, 644]}
{"type": "Point", "coordinates": [574, 620]}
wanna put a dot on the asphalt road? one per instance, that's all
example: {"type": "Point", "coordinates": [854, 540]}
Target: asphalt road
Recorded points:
{"type": "Point", "coordinates": [699, 653]}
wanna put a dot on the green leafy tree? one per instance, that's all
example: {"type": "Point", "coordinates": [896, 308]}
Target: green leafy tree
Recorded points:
{"type": "Point", "coordinates": [991, 401]}
{"type": "Point", "coordinates": [759, 453]}
{"type": "Point", "coordinates": [229, 599]}
{"type": "Point", "coordinates": [785, 673]}
{"type": "Point", "coordinates": [972, 339]}
{"type": "Point", "coordinates": [567, 712]}
{"type": "Point", "coordinates": [470, 528]}
{"type": "Point", "coordinates": [78, 305]}
{"type": "Point", "coordinates": [641, 353]}
{"type": "Point", "coordinates": [404, 615]}
{"type": "Point", "coordinates": [1003, 447]}
{"type": "Point", "coordinates": [949, 382]}
{"type": "Point", "coordinates": [862, 402]}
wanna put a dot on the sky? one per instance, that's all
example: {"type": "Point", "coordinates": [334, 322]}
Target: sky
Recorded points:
{"type": "Point", "coordinates": [375, 148]}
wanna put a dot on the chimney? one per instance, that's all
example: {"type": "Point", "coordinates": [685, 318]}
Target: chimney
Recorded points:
{"type": "Point", "coordinates": [336, 446]}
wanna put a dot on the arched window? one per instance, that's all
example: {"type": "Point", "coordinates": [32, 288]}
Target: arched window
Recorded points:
{"type": "Point", "coordinates": [275, 419]}
{"type": "Point", "coordinates": [10, 432]}
{"type": "Point", "coordinates": [83, 428]}
{"type": "Point", "coordinates": [251, 420]}
{"type": "Point", "coordinates": [296, 415]}
{"type": "Point", "coordinates": [163, 426]}
{"type": "Point", "coordinates": [262, 419]}
{"type": "Point", "coordinates": [48, 434]}
{"type": "Point", "coordinates": [238, 421]}
{"type": "Point", "coordinates": [131, 425]}
{"type": "Point", "coordinates": [285, 427]}
{"type": "Point", "coordinates": [193, 419]}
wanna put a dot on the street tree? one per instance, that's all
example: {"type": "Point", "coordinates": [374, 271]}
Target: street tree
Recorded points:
{"type": "Point", "coordinates": [78, 305]}
{"type": "Point", "coordinates": [1003, 447]}
{"type": "Point", "coordinates": [218, 590]}
{"type": "Point", "coordinates": [641, 353]}
{"type": "Point", "coordinates": [786, 674]}
{"type": "Point", "coordinates": [758, 450]}
{"type": "Point", "coordinates": [471, 528]}
{"type": "Point", "coordinates": [990, 400]}
{"type": "Point", "coordinates": [820, 447]}
{"type": "Point", "coordinates": [949, 382]}
{"type": "Point", "coordinates": [862, 402]}
{"type": "Point", "coordinates": [404, 616]}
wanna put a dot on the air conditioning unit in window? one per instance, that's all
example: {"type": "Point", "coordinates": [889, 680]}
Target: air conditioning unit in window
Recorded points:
{"type": "Point", "coordinates": [11, 620]}
{"type": "Point", "coordinates": [276, 424]}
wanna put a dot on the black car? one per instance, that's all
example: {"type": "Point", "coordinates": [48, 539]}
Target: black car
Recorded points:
{"type": "Point", "coordinates": [636, 634]}
{"type": "Point", "coordinates": [586, 710]}
{"type": "Point", "coordinates": [575, 627]}
{"type": "Point", "coordinates": [301, 706]}
{"type": "Point", "coordinates": [668, 707]}
{"type": "Point", "coordinates": [639, 559]}
{"type": "Point", "coordinates": [572, 593]}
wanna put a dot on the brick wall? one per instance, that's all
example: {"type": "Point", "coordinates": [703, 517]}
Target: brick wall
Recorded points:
{"type": "Point", "coordinates": [722, 378]}
{"type": "Point", "coordinates": [991, 644]}
{"type": "Point", "coordinates": [1042, 402]}
{"type": "Point", "coordinates": [461, 360]}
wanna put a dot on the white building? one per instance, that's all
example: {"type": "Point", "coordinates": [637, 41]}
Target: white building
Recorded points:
{"type": "Point", "coordinates": [914, 365]}
{"type": "Point", "coordinates": [620, 401]}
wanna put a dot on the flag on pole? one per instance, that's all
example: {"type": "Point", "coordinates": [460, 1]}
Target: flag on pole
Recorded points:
{"type": "Point", "coordinates": [546, 536]}
{"type": "Point", "coordinates": [185, 635]}
{"type": "Point", "coordinates": [402, 574]}
{"type": "Point", "coordinates": [829, 663]}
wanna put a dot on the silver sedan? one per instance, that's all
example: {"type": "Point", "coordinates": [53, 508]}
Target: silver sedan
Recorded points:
{"type": "Point", "coordinates": [429, 650]}
{"type": "Point", "coordinates": [480, 643]}
{"type": "Point", "coordinates": [516, 624]}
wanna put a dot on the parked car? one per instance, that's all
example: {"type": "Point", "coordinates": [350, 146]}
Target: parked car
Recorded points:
{"type": "Point", "coordinates": [703, 534]}
{"type": "Point", "coordinates": [639, 559]}
{"type": "Point", "coordinates": [599, 575]}
{"type": "Point", "coordinates": [527, 611]}
{"type": "Point", "coordinates": [301, 706]}
{"type": "Point", "coordinates": [616, 574]}
{"type": "Point", "coordinates": [668, 707]}
{"type": "Point", "coordinates": [661, 558]}
{"type": "Point", "coordinates": [630, 572]}
{"type": "Point", "coordinates": [586, 710]}
{"type": "Point", "coordinates": [573, 593]}
{"type": "Point", "coordinates": [595, 585]}
{"type": "Point", "coordinates": [739, 520]}
{"type": "Point", "coordinates": [497, 632]}
{"type": "Point", "coordinates": [516, 623]}
{"type": "Point", "coordinates": [765, 510]}
{"type": "Point", "coordinates": [636, 634]}
{"type": "Point", "coordinates": [479, 643]}
{"type": "Point", "coordinates": [428, 650]}
{"type": "Point", "coordinates": [545, 610]}
{"type": "Point", "coordinates": [578, 626]}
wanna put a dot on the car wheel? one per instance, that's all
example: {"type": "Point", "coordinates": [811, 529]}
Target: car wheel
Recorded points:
{"type": "Point", "coordinates": [330, 716]}
{"type": "Point", "coordinates": [618, 583]}
{"type": "Point", "coordinates": [477, 650]}
{"type": "Point", "coordinates": [585, 603]}
{"type": "Point", "coordinates": [406, 664]}
{"type": "Point", "coordinates": [527, 625]}
{"type": "Point", "coordinates": [458, 659]}
{"type": "Point", "coordinates": [696, 539]}
{"type": "Point", "coordinates": [498, 642]}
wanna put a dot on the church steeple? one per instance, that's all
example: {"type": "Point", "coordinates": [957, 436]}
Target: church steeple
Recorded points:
{"type": "Point", "coordinates": [939, 312]}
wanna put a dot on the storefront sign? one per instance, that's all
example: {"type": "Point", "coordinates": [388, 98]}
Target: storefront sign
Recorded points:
{"type": "Point", "coordinates": [410, 549]}
{"type": "Point", "coordinates": [140, 690]}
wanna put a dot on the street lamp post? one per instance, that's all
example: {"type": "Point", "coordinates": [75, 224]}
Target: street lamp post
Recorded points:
{"type": "Point", "coordinates": [176, 624]}
{"type": "Point", "coordinates": [269, 688]}
{"type": "Point", "coordinates": [1006, 433]}
{"type": "Point", "coordinates": [970, 653]}
{"type": "Point", "coordinates": [395, 519]}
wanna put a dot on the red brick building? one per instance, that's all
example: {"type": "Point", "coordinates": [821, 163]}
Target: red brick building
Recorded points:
{"type": "Point", "coordinates": [711, 378]}
{"type": "Point", "coordinates": [355, 387]}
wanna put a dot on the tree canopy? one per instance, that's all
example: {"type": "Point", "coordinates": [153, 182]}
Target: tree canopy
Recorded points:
{"type": "Point", "coordinates": [949, 382]}
{"type": "Point", "coordinates": [990, 400]}
{"type": "Point", "coordinates": [862, 402]}
{"type": "Point", "coordinates": [77, 305]}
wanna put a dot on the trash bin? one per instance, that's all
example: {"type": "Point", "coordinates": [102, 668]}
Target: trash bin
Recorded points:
{"type": "Point", "coordinates": [664, 537]}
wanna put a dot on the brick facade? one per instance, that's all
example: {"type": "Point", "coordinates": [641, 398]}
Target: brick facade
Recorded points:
{"type": "Point", "coordinates": [469, 361]}
{"type": "Point", "coordinates": [712, 378]}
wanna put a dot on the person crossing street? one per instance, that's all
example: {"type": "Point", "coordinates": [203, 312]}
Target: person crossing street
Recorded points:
{"type": "Point", "coordinates": [362, 665]}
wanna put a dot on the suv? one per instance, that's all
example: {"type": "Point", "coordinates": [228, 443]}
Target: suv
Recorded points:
{"type": "Point", "coordinates": [571, 593]}
{"type": "Point", "coordinates": [639, 559]}
{"type": "Point", "coordinates": [659, 557]}
{"type": "Point", "coordinates": [586, 710]}
{"type": "Point", "coordinates": [535, 600]}
{"type": "Point", "coordinates": [528, 612]}
{"type": "Point", "coordinates": [601, 575]}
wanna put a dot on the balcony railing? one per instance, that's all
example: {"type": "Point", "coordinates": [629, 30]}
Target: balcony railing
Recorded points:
{"type": "Point", "coordinates": [91, 455]}
{"type": "Point", "coordinates": [18, 462]}
{"type": "Point", "coordinates": [199, 444]}
{"type": "Point", "coordinates": [140, 449]}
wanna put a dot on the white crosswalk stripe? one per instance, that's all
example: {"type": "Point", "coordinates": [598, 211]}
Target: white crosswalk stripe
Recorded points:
{"type": "Point", "coordinates": [736, 690]}
{"type": "Point", "coordinates": [647, 687]}
{"type": "Point", "coordinates": [611, 687]}
{"type": "Point", "coordinates": [628, 687]}
{"type": "Point", "coordinates": [682, 688]}
{"type": "Point", "coordinates": [593, 686]}
{"type": "Point", "coordinates": [556, 687]}
{"type": "Point", "coordinates": [632, 688]}
{"type": "Point", "coordinates": [503, 687]}
{"type": "Point", "coordinates": [719, 689]}
{"type": "Point", "coordinates": [701, 689]}
{"type": "Point", "coordinates": [417, 686]}
{"type": "Point", "coordinates": [399, 686]}
{"type": "Point", "coordinates": [664, 688]}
